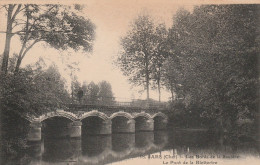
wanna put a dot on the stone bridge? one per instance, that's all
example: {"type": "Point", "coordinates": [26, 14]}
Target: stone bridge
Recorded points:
{"type": "Point", "coordinates": [73, 121]}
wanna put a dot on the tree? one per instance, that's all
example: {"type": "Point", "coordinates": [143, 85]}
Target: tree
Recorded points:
{"type": "Point", "coordinates": [216, 50]}
{"type": "Point", "coordinates": [159, 56]}
{"type": "Point", "coordinates": [52, 87]}
{"type": "Point", "coordinates": [56, 25]}
{"type": "Point", "coordinates": [138, 48]}
{"type": "Point", "coordinates": [105, 93]}
{"type": "Point", "coordinates": [12, 11]}
{"type": "Point", "coordinates": [33, 91]}
{"type": "Point", "coordinates": [93, 93]}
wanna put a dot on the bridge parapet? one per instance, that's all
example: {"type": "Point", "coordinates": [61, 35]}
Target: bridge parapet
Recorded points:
{"type": "Point", "coordinates": [108, 119]}
{"type": "Point", "coordinates": [112, 109]}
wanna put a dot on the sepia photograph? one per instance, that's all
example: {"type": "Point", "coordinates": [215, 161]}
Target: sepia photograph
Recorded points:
{"type": "Point", "coordinates": [129, 82]}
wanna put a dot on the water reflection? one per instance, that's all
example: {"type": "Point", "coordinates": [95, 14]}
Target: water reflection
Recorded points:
{"type": "Point", "coordinates": [93, 146]}
{"type": "Point", "coordinates": [160, 138]}
{"type": "Point", "coordinates": [201, 143]}
{"type": "Point", "coordinates": [96, 149]}
{"type": "Point", "coordinates": [101, 149]}
{"type": "Point", "coordinates": [122, 142]}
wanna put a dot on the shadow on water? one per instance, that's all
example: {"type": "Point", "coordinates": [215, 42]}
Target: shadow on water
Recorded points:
{"type": "Point", "coordinates": [122, 142]}
{"type": "Point", "coordinates": [102, 149]}
{"type": "Point", "coordinates": [203, 142]}
{"type": "Point", "coordinates": [144, 139]}
{"type": "Point", "coordinates": [57, 150]}
{"type": "Point", "coordinates": [95, 145]}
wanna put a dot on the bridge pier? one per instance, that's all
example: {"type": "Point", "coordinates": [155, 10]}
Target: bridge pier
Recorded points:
{"type": "Point", "coordinates": [75, 129]}
{"type": "Point", "coordinates": [131, 126]}
{"type": "Point", "coordinates": [35, 133]}
{"type": "Point", "coordinates": [149, 125]}
{"type": "Point", "coordinates": [106, 127]}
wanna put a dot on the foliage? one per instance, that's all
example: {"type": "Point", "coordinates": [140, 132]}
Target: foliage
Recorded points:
{"type": "Point", "coordinates": [93, 90]}
{"type": "Point", "coordinates": [105, 93]}
{"type": "Point", "coordinates": [97, 94]}
{"type": "Point", "coordinates": [33, 91]}
{"type": "Point", "coordinates": [59, 26]}
{"type": "Point", "coordinates": [159, 56]}
{"type": "Point", "coordinates": [138, 48]}
{"type": "Point", "coordinates": [214, 59]}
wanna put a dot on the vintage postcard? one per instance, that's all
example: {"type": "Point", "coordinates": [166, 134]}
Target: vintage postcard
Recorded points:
{"type": "Point", "coordinates": [160, 82]}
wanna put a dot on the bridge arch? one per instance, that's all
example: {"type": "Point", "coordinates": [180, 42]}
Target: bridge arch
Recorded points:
{"type": "Point", "coordinates": [160, 121]}
{"type": "Point", "coordinates": [57, 124]}
{"type": "Point", "coordinates": [94, 113]}
{"type": "Point", "coordinates": [143, 122]}
{"type": "Point", "coordinates": [123, 114]}
{"type": "Point", "coordinates": [122, 122]}
{"type": "Point", "coordinates": [160, 114]}
{"type": "Point", "coordinates": [95, 122]}
{"type": "Point", "coordinates": [142, 114]}
{"type": "Point", "coordinates": [58, 113]}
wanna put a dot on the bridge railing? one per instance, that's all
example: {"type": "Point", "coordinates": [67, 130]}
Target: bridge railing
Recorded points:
{"type": "Point", "coordinates": [120, 106]}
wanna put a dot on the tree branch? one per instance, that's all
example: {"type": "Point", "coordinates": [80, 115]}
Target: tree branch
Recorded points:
{"type": "Point", "coordinates": [25, 39]}
{"type": "Point", "coordinates": [57, 31]}
{"type": "Point", "coordinates": [16, 12]}
{"type": "Point", "coordinates": [28, 48]}
{"type": "Point", "coordinates": [6, 8]}
{"type": "Point", "coordinates": [20, 20]}
{"type": "Point", "coordinates": [3, 7]}
{"type": "Point", "coordinates": [16, 24]}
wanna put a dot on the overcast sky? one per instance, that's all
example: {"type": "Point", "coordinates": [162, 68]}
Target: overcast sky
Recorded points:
{"type": "Point", "coordinates": [112, 19]}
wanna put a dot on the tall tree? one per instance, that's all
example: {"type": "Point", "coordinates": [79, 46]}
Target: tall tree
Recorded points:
{"type": "Point", "coordinates": [138, 48]}
{"type": "Point", "coordinates": [159, 55]}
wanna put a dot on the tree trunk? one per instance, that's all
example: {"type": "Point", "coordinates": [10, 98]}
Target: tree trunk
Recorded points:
{"type": "Point", "coordinates": [19, 60]}
{"type": "Point", "coordinates": [159, 89]}
{"type": "Point", "coordinates": [18, 63]}
{"type": "Point", "coordinates": [8, 37]}
{"type": "Point", "coordinates": [147, 75]}
{"type": "Point", "coordinates": [22, 52]}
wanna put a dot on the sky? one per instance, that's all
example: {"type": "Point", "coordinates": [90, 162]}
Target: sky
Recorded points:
{"type": "Point", "coordinates": [112, 19]}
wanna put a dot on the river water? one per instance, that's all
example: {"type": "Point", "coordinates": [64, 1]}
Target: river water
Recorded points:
{"type": "Point", "coordinates": [161, 147]}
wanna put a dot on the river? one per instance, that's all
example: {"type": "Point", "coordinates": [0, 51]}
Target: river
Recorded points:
{"type": "Point", "coordinates": [161, 147]}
